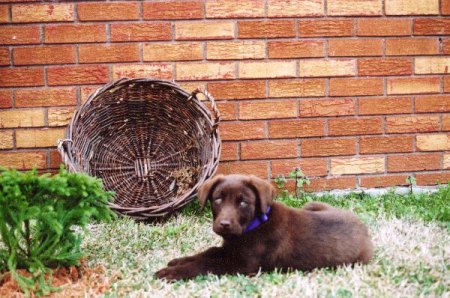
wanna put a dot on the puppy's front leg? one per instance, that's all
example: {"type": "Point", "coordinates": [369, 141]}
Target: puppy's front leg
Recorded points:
{"type": "Point", "coordinates": [215, 261]}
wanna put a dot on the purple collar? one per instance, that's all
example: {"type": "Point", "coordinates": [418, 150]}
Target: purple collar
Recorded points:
{"type": "Point", "coordinates": [257, 221]}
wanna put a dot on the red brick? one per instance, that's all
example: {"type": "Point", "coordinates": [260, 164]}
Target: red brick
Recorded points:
{"type": "Point", "coordinates": [20, 35]}
{"type": "Point", "coordinates": [354, 7]}
{"type": "Point", "coordinates": [383, 27]}
{"type": "Point", "coordinates": [412, 46]}
{"type": "Point", "coordinates": [205, 71]}
{"type": "Point", "coordinates": [158, 71]}
{"type": "Point", "coordinates": [44, 55]}
{"type": "Point", "coordinates": [433, 178]}
{"type": "Point", "coordinates": [45, 97]}
{"type": "Point", "coordinates": [55, 159]}
{"type": "Point", "coordinates": [429, 104]}
{"type": "Point", "coordinates": [267, 109]}
{"type": "Point", "coordinates": [385, 105]}
{"type": "Point", "coordinates": [384, 66]}
{"type": "Point", "coordinates": [447, 84]}
{"type": "Point", "coordinates": [429, 26]}
{"type": "Point", "coordinates": [4, 14]}
{"type": "Point", "coordinates": [383, 181]}
{"type": "Point", "coordinates": [229, 151]}
{"type": "Point", "coordinates": [185, 51]}
{"type": "Point", "coordinates": [228, 110]}
{"type": "Point", "coordinates": [23, 160]}
{"type": "Point", "coordinates": [445, 122]}
{"type": "Point", "coordinates": [140, 31]}
{"type": "Point", "coordinates": [16, 77]}
{"type": "Point", "coordinates": [238, 89]}
{"type": "Point", "coordinates": [204, 30]}
{"type": "Point", "coordinates": [297, 88]}
{"type": "Point", "coordinates": [258, 168]}
{"type": "Point", "coordinates": [77, 75]}
{"type": "Point", "coordinates": [328, 27]}
{"type": "Point", "coordinates": [14, 1]}
{"type": "Point", "coordinates": [108, 53]}
{"type": "Point", "coordinates": [34, 13]}
{"type": "Point", "coordinates": [234, 9]}
{"type": "Point", "coordinates": [266, 29]}
{"type": "Point", "coordinates": [386, 144]}
{"type": "Point", "coordinates": [268, 149]}
{"type": "Point", "coordinates": [411, 7]}
{"type": "Point", "coordinates": [358, 86]}
{"type": "Point", "coordinates": [233, 50]}
{"type": "Point", "coordinates": [414, 162]}
{"type": "Point", "coordinates": [295, 8]}
{"type": "Point", "coordinates": [355, 47]}
{"type": "Point", "coordinates": [267, 69]}
{"type": "Point", "coordinates": [416, 85]}
{"type": "Point", "coordinates": [445, 7]}
{"type": "Point", "coordinates": [446, 45]}
{"type": "Point", "coordinates": [354, 126]}
{"type": "Point", "coordinates": [5, 98]}
{"type": "Point", "coordinates": [75, 33]}
{"type": "Point", "coordinates": [296, 128]}
{"type": "Point", "coordinates": [327, 107]}
{"type": "Point", "coordinates": [115, 11]}
{"type": "Point", "coordinates": [406, 124]}
{"type": "Point", "coordinates": [310, 167]}
{"type": "Point", "coordinates": [328, 147]}
{"type": "Point", "coordinates": [4, 56]}
{"type": "Point", "coordinates": [232, 131]}
{"type": "Point", "coordinates": [296, 49]}
{"type": "Point", "coordinates": [322, 184]}
{"type": "Point", "coordinates": [172, 10]}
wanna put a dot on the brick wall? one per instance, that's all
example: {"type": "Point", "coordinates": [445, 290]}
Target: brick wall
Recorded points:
{"type": "Point", "coordinates": [355, 92]}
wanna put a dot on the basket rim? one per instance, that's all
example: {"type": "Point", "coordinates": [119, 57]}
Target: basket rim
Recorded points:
{"type": "Point", "coordinates": [65, 146]}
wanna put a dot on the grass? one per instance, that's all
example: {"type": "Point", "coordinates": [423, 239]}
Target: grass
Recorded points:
{"type": "Point", "coordinates": [412, 253]}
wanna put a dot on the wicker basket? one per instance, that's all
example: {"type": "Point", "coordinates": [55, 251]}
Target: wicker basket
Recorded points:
{"type": "Point", "coordinates": [151, 142]}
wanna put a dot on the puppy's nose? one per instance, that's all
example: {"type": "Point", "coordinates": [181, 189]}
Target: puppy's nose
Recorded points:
{"type": "Point", "coordinates": [225, 223]}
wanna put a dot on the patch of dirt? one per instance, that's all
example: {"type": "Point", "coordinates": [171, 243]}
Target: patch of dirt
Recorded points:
{"type": "Point", "coordinates": [73, 282]}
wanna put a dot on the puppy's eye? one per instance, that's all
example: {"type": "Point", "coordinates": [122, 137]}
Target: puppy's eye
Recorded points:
{"type": "Point", "coordinates": [243, 204]}
{"type": "Point", "coordinates": [218, 201]}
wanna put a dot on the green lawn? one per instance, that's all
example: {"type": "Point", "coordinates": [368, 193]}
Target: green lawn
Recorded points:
{"type": "Point", "coordinates": [410, 232]}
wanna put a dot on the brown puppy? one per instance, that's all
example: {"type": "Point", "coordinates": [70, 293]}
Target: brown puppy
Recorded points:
{"type": "Point", "coordinates": [261, 234]}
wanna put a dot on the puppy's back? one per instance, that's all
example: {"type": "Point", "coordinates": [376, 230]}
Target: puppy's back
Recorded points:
{"type": "Point", "coordinates": [346, 238]}
{"type": "Point", "coordinates": [323, 236]}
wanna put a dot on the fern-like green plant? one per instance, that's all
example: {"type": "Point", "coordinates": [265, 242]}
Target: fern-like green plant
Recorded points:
{"type": "Point", "coordinates": [38, 218]}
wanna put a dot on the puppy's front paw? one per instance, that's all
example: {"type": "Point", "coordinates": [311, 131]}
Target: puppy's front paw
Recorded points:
{"type": "Point", "coordinates": [170, 273]}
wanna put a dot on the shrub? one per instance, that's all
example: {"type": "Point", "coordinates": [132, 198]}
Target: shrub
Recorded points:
{"type": "Point", "coordinates": [38, 220]}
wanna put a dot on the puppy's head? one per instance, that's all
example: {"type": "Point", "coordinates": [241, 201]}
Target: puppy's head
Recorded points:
{"type": "Point", "coordinates": [235, 201]}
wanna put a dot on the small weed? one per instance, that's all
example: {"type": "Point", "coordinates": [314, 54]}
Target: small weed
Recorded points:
{"type": "Point", "coordinates": [411, 181]}
{"type": "Point", "coordinates": [300, 181]}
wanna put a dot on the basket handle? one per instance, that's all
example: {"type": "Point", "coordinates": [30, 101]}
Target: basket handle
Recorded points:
{"type": "Point", "coordinates": [213, 106]}
{"type": "Point", "coordinates": [64, 151]}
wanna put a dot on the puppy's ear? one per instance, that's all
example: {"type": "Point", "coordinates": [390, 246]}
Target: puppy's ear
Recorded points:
{"type": "Point", "coordinates": [204, 192]}
{"type": "Point", "coordinates": [265, 191]}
